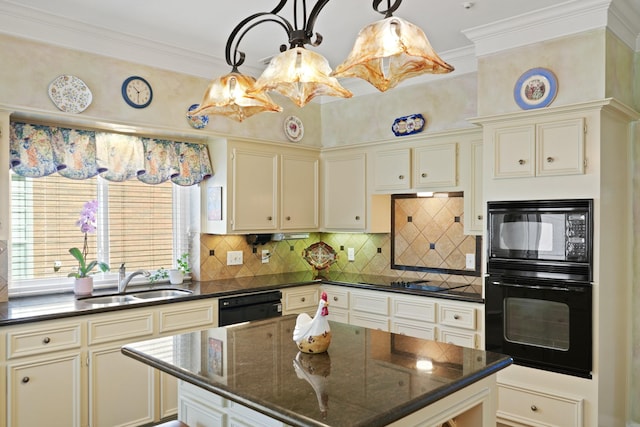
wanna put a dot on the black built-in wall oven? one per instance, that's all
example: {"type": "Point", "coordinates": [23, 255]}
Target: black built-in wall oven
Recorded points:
{"type": "Point", "coordinates": [538, 289]}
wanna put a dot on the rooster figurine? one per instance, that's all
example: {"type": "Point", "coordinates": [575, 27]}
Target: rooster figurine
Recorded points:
{"type": "Point", "coordinates": [313, 335]}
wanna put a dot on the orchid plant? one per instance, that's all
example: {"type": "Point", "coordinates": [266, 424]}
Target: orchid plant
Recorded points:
{"type": "Point", "coordinates": [87, 224]}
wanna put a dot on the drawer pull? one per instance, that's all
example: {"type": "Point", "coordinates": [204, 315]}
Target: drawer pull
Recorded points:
{"type": "Point", "coordinates": [549, 159]}
{"type": "Point", "coordinates": [401, 177]}
{"type": "Point", "coordinates": [288, 218]}
{"type": "Point", "coordinates": [357, 217]}
{"type": "Point", "coordinates": [456, 316]}
{"type": "Point", "coordinates": [303, 299]}
{"type": "Point", "coordinates": [25, 380]}
{"type": "Point", "coordinates": [480, 217]}
{"type": "Point", "coordinates": [534, 408]}
{"type": "Point", "coordinates": [521, 162]}
{"type": "Point", "coordinates": [46, 340]}
{"type": "Point", "coordinates": [269, 218]}
{"type": "Point", "coordinates": [335, 298]}
{"type": "Point", "coordinates": [424, 174]}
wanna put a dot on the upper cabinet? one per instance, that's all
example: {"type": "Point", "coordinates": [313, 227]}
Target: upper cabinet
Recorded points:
{"type": "Point", "coordinates": [539, 149]}
{"type": "Point", "coordinates": [344, 191]}
{"type": "Point", "coordinates": [392, 169]}
{"type": "Point", "coordinates": [260, 187]}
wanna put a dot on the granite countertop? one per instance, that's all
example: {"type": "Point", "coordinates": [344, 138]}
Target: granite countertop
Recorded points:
{"type": "Point", "coordinates": [367, 377]}
{"type": "Point", "coordinates": [56, 306]}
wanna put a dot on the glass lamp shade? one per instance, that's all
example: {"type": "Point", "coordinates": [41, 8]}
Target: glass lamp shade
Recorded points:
{"type": "Point", "coordinates": [390, 51]}
{"type": "Point", "coordinates": [227, 96]}
{"type": "Point", "coordinates": [300, 75]}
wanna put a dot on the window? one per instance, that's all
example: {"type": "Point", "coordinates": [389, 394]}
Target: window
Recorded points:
{"type": "Point", "coordinates": [141, 225]}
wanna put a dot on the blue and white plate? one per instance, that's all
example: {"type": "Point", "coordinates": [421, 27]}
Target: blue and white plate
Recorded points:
{"type": "Point", "coordinates": [408, 125]}
{"type": "Point", "coordinates": [197, 122]}
{"type": "Point", "coordinates": [536, 88]}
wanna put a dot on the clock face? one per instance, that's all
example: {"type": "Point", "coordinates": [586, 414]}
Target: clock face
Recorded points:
{"type": "Point", "coordinates": [137, 92]}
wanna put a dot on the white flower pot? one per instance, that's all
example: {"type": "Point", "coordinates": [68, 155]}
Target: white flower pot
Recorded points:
{"type": "Point", "coordinates": [176, 277]}
{"type": "Point", "coordinates": [83, 286]}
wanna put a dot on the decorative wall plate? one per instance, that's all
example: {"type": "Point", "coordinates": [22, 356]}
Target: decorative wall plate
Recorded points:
{"type": "Point", "coordinates": [197, 122]}
{"type": "Point", "coordinates": [293, 128]}
{"type": "Point", "coordinates": [70, 94]}
{"type": "Point", "coordinates": [320, 255]}
{"type": "Point", "coordinates": [536, 88]}
{"type": "Point", "coordinates": [408, 125]}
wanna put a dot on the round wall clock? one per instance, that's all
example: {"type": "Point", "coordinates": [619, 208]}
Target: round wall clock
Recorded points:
{"type": "Point", "coordinates": [137, 92]}
{"type": "Point", "coordinates": [536, 88]}
{"type": "Point", "coordinates": [70, 94]}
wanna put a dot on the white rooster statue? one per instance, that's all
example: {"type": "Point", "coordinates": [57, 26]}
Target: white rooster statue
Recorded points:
{"type": "Point", "coordinates": [313, 335]}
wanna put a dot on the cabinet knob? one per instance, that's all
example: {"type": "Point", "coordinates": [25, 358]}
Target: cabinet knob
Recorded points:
{"type": "Point", "coordinates": [480, 217]}
{"type": "Point", "coordinates": [456, 316]}
{"type": "Point", "coordinates": [549, 159]}
{"type": "Point", "coordinates": [25, 380]}
{"type": "Point", "coordinates": [269, 218]}
{"type": "Point", "coordinates": [357, 217]}
{"type": "Point", "coordinates": [46, 340]}
{"type": "Point", "coordinates": [288, 218]}
{"type": "Point", "coordinates": [303, 299]}
{"type": "Point", "coordinates": [534, 408]}
{"type": "Point", "coordinates": [423, 174]}
{"type": "Point", "coordinates": [521, 162]}
{"type": "Point", "coordinates": [401, 177]}
{"type": "Point", "coordinates": [335, 298]}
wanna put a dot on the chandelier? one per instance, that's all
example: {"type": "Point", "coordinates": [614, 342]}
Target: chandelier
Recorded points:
{"type": "Point", "coordinates": [385, 53]}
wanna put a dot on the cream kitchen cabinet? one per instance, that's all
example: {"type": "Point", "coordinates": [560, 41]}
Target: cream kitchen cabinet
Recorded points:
{"type": "Point", "coordinates": [302, 299]}
{"type": "Point", "coordinates": [44, 371]}
{"type": "Point", "coordinates": [338, 299]}
{"type": "Point", "coordinates": [473, 199]}
{"type": "Point", "coordinates": [435, 166]}
{"type": "Point", "coordinates": [369, 309]}
{"type": "Point", "coordinates": [260, 188]}
{"type": "Point", "coordinates": [344, 191]}
{"type": "Point", "coordinates": [540, 149]}
{"type": "Point", "coordinates": [392, 169]}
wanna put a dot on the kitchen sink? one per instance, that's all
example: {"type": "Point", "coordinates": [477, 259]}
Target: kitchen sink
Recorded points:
{"type": "Point", "coordinates": [135, 297]}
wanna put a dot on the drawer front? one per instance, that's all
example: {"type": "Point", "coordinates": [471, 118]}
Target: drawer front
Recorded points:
{"type": "Point", "coordinates": [371, 321]}
{"type": "Point", "coordinates": [538, 408]}
{"type": "Point", "coordinates": [120, 327]}
{"type": "Point", "coordinates": [26, 342]}
{"type": "Point", "coordinates": [186, 316]}
{"type": "Point", "coordinates": [338, 298]}
{"type": "Point", "coordinates": [338, 315]}
{"type": "Point", "coordinates": [457, 316]}
{"type": "Point", "coordinates": [416, 308]}
{"type": "Point", "coordinates": [413, 329]}
{"type": "Point", "coordinates": [376, 303]}
{"type": "Point", "coordinates": [301, 299]}
{"type": "Point", "coordinates": [458, 337]}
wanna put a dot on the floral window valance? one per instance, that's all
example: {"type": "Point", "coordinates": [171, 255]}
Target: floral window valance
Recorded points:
{"type": "Point", "coordinates": [40, 150]}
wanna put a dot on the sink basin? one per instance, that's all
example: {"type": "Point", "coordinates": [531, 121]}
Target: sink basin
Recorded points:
{"type": "Point", "coordinates": [160, 294]}
{"type": "Point", "coordinates": [134, 297]}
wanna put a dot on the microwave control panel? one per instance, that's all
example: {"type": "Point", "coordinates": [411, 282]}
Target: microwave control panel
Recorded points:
{"type": "Point", "coordinates": [576, 242]}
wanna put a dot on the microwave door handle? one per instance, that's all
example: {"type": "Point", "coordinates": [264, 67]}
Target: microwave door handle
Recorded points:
{"type": "Point", "coordinates": [551, 288]}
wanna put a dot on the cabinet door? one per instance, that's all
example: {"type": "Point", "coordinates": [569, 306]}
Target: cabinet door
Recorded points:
{"type": "Point", "coordinates": [254, 190]}
{"type": "Point", "coordinates": [475, 211]}
{"type": "Point", "coordinates": [392, 169]}
{"type": "Point", "coordinates": [121, 389]}
{"type": "Point", "coordinates": [299, 193]}
{"type": "Point", "coordinates": [45, 392]}
{"type": "Point", "coordinates": [344, 192]}
{"type": "Point", "coordinates": [514, 152]}
{"type": "Point", "coordinates": [560, 147]}
{"type": "Point", "coordinates": [435, 166]}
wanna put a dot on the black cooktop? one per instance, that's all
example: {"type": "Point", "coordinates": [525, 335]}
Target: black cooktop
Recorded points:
{"type": "Point", "coordinates": [419, 285]}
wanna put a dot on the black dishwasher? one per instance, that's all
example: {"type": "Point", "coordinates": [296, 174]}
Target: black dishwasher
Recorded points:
{"type": "Point", "coordinates": [247, 307]}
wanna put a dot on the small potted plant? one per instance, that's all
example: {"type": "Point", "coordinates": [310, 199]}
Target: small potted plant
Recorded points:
{"type": "Point", "coordinates": [83, 283]}
{"type": "Point", "coordinates": [176, 275]}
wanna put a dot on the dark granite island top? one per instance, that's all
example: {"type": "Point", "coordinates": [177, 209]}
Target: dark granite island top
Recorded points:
{"type": "Point", "coordinates": [367, 377]}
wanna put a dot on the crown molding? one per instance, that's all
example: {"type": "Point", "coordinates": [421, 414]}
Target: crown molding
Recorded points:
{"type": "Point", "coordinates": [624, 22]}
{"type": "Point", "coordinates": [24, 22]}
{"type": "Point", "coordinates": [549, 23]}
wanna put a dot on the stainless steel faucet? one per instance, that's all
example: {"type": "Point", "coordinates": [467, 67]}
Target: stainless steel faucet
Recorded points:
{"type": "Point", "coordinates": [123, 279]}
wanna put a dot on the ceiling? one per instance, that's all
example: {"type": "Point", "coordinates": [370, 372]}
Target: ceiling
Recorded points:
{"type": "Point", "coordinates": [201, 27]}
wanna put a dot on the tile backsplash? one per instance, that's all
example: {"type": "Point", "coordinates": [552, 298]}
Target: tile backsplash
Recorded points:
{"type": "Point", "coordinates": [372, 256]}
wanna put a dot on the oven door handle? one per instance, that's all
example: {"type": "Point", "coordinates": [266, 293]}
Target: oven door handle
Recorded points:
{"type": "Point", "coordinates": [540, 287]}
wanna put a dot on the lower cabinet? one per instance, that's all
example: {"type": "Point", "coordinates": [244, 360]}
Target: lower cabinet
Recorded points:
{"type": "Point", "coordinates": [45, 391]}
{"type": "Point", "coordinates": [518, 406]}
{"type": "Point", "coordinates": [300, 299]}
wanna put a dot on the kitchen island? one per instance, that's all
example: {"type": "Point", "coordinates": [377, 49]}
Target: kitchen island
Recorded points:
{"type": "Point", "coordinates": [367, 378]}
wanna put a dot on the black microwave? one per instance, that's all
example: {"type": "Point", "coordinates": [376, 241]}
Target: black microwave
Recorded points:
{"type": "Point", "coordinates": [540, 238]}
